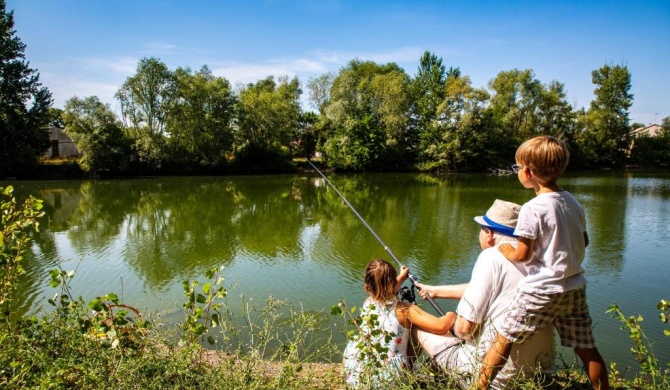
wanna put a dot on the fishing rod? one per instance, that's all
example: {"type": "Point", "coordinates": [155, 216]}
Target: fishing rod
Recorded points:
{"type": "Point", "coordinates": [411, 277]}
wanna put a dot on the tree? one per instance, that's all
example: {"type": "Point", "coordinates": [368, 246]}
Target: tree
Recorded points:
{"type": "Point", "coordinates": [428, 89]}
{"type": "Point", "coordinates": [199, 120]}
{"type": "Point", "coordinates": [605, 139]}
{"type": "Point", "coordinates": [98, 134]}
{"type": "Point", "coordinates": [24, 104]}
{"type": "Point", "coordinates": [368, 117]}
{"type": "Point", "coordinates": [462, 133]}
{"type": "Point", "coordinates": [145, 98]}
{"type": "Point", "coordinates": [56, 117]}
{"type": "Point", "coordinates": [515, 102]}
{"type": "Point", "coordinates": [319, 91]}
{"type": "Point", "coordinates": [269, 117]}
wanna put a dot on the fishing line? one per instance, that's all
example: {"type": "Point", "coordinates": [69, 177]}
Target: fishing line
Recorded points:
{"type": "Point", "coordinates": [411, 277]}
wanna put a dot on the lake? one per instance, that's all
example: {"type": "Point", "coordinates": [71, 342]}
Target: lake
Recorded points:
{"type": "Point", "coordinates": [293, 238]}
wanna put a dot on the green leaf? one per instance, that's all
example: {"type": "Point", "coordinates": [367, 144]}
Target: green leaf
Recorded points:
{"type": "Point", "coordinates": [206, 287]}
{"type": "Point", "coordinates": [201, 299]}
{"type": "Point", "coordinates": [335, 310]}
{"type": "Point", "coordinates": [95, 305]}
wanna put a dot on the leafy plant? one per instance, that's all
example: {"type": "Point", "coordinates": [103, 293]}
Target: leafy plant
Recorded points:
{"type": "Point", "coordinates": [17, 221]}
{"type": "Point", "coordinates": [367, 349]}
{"type": "Point", "coordinates": [650, 371]}
{"type": "Point", "coordinates": [203, 309]}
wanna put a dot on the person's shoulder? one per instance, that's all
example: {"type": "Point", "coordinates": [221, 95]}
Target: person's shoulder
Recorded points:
{"type": "Point", "coordinates": [490, 258]}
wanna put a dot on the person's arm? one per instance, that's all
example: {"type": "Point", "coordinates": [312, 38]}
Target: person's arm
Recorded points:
{"type": "Point", "coordinates": [519, 254]}
{"type": "Point", "coordinates": [464, 329]}
{"type": "Point", "coordinates": [412, 315]}
{"type": "Point", "coordinates": [451, 291]}
{"type": "Point", "coordinates": [402, 276]}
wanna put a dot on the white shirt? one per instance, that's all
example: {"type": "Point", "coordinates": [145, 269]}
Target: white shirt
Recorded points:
{"type": "Point", "coordinates": [556, 223]}
{"type": "Point", "coordinates": [488, 295]}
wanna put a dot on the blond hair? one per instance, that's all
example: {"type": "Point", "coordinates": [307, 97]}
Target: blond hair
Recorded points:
{"type": "Point", "coordinates": [380, 280]}
{"type": "Point", "coordinates": [546, 156]}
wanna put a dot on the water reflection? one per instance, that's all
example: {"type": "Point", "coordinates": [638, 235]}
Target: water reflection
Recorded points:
{"type": "Point", "coordinates": [293, 237]}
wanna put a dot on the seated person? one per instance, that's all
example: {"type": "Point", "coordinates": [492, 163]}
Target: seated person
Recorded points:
{"type": "Point", "coordinates": [486, 297]}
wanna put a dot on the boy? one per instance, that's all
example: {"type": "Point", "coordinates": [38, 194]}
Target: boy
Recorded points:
{"type": "Point", "coordinates": [552, 242]}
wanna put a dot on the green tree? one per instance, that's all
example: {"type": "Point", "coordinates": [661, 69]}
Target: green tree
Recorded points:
{"type": "Point", "coordinates": [318, 89]}
{"type": "Point", "coordinates": [56, 117]}
{"type": "Point", "coordinates": [24, 104]}
{"type": "Point", "coordinates": [200, 120]}
{"type": "Point", "coordinates": [463, 132]}
{"type": "Point", "coordinates": [605, 139]}
{"type": "Point", "coordinates": [514, 104]}
{"type": "Point", "coordinates": [269, 117]}
{"type": "Point", "coordinates": [98, 134]}
{"type": "Point", "coordinates": [428, 92]}
{"type": "Point", "coordinates": [368, 117]}
{"type": "Point", "coordinates": [145, 98]}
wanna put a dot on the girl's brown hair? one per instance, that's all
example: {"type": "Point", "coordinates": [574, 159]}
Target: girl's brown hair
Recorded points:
{"type": "Point", "coordinates": [380, 280]}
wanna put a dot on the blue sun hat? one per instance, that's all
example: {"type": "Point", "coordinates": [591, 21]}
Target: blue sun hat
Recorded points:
{"type": "Point", "coordinates": [501, 217]}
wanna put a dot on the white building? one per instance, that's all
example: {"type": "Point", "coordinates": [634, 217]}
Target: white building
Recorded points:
{"type": "Point", "coordinates": [652, 130]}
{"type": "Point", "coordinates": [61, 145]}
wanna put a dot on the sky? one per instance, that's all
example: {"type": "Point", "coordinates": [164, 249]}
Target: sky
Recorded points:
{"type": "Point", "coordinates": [90, 47]}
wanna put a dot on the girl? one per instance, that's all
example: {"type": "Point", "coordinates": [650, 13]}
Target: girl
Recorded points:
{"type": "Point", "coordinates": [379, 352]}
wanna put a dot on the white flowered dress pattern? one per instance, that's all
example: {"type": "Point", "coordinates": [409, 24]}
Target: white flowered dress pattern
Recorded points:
{"type": "Point", "coordinates": [362, 369]}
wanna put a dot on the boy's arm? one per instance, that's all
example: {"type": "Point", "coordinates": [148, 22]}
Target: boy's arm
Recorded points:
{"type": "Point", "coordinates": [520, 253]}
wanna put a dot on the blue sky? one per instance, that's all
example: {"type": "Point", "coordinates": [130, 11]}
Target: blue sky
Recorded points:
{"type": "Point", "coordinates": [89, 47]}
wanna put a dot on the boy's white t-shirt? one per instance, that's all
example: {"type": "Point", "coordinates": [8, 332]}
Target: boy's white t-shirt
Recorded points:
{"type": "Point", "coordinates": [556, 222]}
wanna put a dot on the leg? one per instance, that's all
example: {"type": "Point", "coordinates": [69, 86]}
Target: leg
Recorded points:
{"type": "Point", "coordinates": [494, 360]}
{"type": "Point", "coordinates": [595, 367]}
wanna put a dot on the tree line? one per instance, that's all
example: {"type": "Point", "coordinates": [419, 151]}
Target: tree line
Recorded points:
{"type": "Point", "coordinates": [366, 117]}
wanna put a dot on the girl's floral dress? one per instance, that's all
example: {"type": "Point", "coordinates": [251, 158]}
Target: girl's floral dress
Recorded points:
{"type": "Point", "coordinates": [378, 353]}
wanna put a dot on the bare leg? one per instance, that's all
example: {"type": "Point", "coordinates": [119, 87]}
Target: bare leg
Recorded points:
{"type": "Point", "coordinates": [494, 360]}
{"type": "Point", "coordinates": [595, 367]}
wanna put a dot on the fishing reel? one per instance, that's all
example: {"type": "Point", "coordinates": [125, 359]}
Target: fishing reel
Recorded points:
{"type": "Point", "coordinates": [407, 294]}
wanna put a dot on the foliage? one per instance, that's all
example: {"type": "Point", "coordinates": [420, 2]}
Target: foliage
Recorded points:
{"type": "Point", "coordinates": [318, 89]}
{"type": "Point", "coordinates": [17, 221]}
{"type": "Point", "coordinates": [200, 121]}
{"type": "Point", "coordinates": [428, 92]}
{"type": "Point", "coordinates": [466, 130]}
{"type": "Point", "coordinates": [268, 118]}
{"type": "Point", "coordinates": [369, 116]}
{"type": "Point", "coordinates": [367, 345]}
{"type": "Point", "coordinates": [145, 98]}
{"type": "Point", "coordinates": [652, 375]}
{"type": "Point", "coordinates": [368, 113]}
{"type": "Point", "coordinates": [203, 309]}
{"type": "Point", "coordinates": [604, 141]}
{"type": "Point", "coordinates": [98, 134]}
{"type": "Point", "coordinates": [24, 104]}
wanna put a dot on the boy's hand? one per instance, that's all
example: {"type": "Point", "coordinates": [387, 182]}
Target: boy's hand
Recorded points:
{"type": "Point", "coordinates": [507, 250]}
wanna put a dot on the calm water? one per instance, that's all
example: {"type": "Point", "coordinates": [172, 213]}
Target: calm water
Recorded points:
{"type": "Point", "coordinates": [293, 238]}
